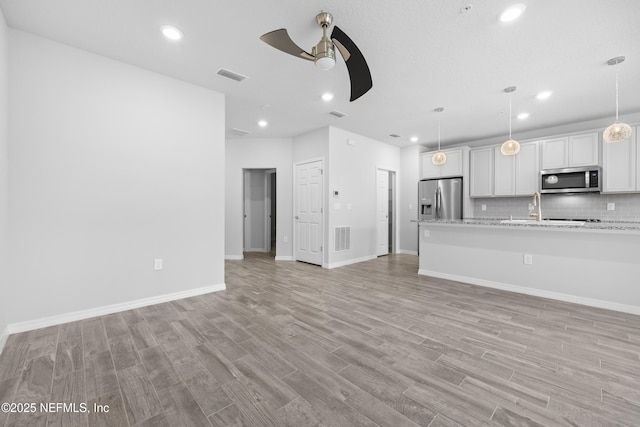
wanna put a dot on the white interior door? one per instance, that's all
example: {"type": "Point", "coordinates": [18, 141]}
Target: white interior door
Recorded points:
{"type": "Point", "coordinates": [308, 213]}
{"type": "Point", "coordinates": [383, 212]}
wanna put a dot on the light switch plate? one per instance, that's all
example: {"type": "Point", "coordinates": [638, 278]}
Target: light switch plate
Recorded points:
{"type": "Point", "coordinates": [157, 264]}
{"type": "Point", "coordinates": [611, 206]}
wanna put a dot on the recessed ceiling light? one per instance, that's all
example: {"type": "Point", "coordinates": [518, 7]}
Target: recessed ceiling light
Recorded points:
{"type": "Point", "coordinates": [544, 94]}
{"type": "Point", "coordinates": [523, 116]}
{"type": "Point", "coordinates": [172, 33]}
{"type": "Point", "coordinates": [262, 123]}
{"type": "Point", "coordinates": [512, 13]}
{"type": "Point", "coordinates": [414, 139]}
{"type": "Point", "coordinates": [327, 96]}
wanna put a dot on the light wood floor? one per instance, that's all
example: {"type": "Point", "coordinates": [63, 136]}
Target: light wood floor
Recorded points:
{"type": "Point", "coordinates": [368, 344]}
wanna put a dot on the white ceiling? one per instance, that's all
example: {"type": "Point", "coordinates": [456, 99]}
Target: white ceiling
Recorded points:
{"type": "Point", "coordinates": [422, 55]}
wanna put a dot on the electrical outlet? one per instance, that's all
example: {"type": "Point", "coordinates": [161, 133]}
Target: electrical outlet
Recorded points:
{"type": "Point", "coordinates": [527, 259]}
{"type": "Point", "coordinates": [157, 264]}
{"type": "Point", "coordinates": [611, 206]}
{"type": "Point", "coordinates": [484, 207]}
{"type": "Point", "coordinates": [285, 239]}
{"type": "Point", "coordinates": [425, 233]}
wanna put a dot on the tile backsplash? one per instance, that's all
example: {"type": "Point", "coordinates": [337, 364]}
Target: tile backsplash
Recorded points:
{"type": "Point", "coordinates": [576, 206]}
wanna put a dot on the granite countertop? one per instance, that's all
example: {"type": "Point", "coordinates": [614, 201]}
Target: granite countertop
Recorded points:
{"type": "Point", "coordinates": [614, 226]}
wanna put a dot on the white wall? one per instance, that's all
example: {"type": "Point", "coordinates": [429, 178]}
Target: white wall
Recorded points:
{"type": "Point", "coordinates": [4, 186]}
{"type": "Point", "coordinates": [111, 166]}
{"type": "Point", "coordinates": [352, 172]}
{"type": "Point", "coordinates": [258, 154]}
{"type": "Point", "coordinates": [410, 166]}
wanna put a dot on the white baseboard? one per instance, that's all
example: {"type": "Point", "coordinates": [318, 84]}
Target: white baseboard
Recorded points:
{"type": "Point", "coordinates": [349, 262]}
{"type": "Point", "coordinates": [404, 251]}
{"type": "Point", "coordinates": [592, 302]}
{"type": "Point", "coordinates": [107, 309]}
{"type": "Point", "coordinates": [234, 257]}
{"type": "Point", "coordinates": [284, 258]}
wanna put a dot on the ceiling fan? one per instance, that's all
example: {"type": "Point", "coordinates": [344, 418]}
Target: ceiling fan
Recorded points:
{"type": "Point", "coordinates": [323, 54]}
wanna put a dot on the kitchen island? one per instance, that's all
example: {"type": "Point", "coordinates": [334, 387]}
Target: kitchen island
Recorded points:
{"type": "Point", "coordinates": [596, 264]}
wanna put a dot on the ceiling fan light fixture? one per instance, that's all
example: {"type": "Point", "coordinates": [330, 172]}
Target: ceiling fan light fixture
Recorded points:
{"type": "Point", "coordinates": [617, 131]}
{"type": "Point", "coordinates": [325, 63]}
{"type": "Point", "coordinates": [325, 54]}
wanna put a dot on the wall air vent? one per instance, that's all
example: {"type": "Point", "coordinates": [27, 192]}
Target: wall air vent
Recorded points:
{"type": "Point", "coordinates": [231, 75]}
{"type": "Point", "coordinates": [338, 114]}
{"type": "Point", "coordinates": [394, 135]}
{"type": "Point", "coordinates": [237, 132]}
{"type": "Point", "coordinates": [342, 239]}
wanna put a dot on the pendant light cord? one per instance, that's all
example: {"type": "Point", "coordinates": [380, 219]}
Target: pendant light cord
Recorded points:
{"type": "Point", "coordinates": [509, 116]}
{"type": "Point", "coordinates": [616, 93]}
{"type": "Point", "coordinates": [438, 131]}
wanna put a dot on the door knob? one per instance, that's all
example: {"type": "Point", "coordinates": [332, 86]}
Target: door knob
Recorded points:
{"type": "Point", "coordinates": [296, 217]}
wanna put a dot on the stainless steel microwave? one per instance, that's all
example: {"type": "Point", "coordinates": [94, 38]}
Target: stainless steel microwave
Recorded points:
{"type": "Point", "coordinates": [571, 180]}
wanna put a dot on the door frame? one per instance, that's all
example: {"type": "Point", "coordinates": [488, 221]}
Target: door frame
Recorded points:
{"type": "Point", "coordinates": [323, 225]}
{"type": "Point", "coordinates": [393, 214]}
{"type": "Point", "coordinates": [246, 205]}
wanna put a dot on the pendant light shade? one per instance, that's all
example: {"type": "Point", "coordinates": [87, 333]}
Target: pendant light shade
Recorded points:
{"type": "Point", "coordinates": [510, 147]}
{"type": "Point", "coordinates": [439, 157]}
{"type": "Point", "coordinates": [617, 131]}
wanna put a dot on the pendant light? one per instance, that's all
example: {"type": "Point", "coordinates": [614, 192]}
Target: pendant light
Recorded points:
{"type": "Point", "coordinates": [510, 147]}
{"type": "Point", "coordinates": [439, 157]}
{"type": "Point", "coordinates": [617, 131]}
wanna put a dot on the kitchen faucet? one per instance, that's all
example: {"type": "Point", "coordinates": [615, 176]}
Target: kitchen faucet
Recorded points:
{"type": "Point", "coordinates": [537, 203]}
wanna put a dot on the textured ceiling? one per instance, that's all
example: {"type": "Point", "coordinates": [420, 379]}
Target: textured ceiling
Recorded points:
{"type": "Point", "coordinates": [422, 55]}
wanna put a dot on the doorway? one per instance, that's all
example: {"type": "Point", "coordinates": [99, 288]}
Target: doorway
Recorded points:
{"type": "Point", "coordinates": [259, 210]}
{"type": "Point", "coordinates": [385, 213]}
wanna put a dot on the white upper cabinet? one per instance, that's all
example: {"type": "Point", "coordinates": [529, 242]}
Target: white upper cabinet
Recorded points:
{"type": "Point", "coordinates": [504, 173]}
{"type": "Point", "coordinates": [555, 153]}
{"type": "Point", "coordinates": [481, 172]}
{"type": "Point", "coordinates": [620, 162]}
{"type": "Point", "coordinates": [494, 174]}
{"type": "Point", "coordinates": [528, 169]}
{"type": "Point", "coordinates": [571, 151]}
{"type": "Point", "coordinates": [453, 167]}
{"type": "Point", "coordinates": [517, 175]}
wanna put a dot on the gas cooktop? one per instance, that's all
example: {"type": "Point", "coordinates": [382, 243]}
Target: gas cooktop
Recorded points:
{"type": "Point", "coordinates": [574, 219]}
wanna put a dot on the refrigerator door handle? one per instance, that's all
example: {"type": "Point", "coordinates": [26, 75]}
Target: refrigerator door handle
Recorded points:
{"type": "Point", "coordinates": [438, 201]}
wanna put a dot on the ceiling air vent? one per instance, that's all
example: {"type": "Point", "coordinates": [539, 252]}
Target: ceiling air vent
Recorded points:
{"type": "Point", "coordinates": [338, 114]}
{"type": "Point", "coordinates": [394, 135]}
{"type": "Point", "coordinates": [231, 75]}
{"type": "Point", "coordinates": [238, 132]}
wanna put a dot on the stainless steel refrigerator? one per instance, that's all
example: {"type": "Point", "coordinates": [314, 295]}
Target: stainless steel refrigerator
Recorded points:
{"type": "Point", "coordinates": [440, 199]}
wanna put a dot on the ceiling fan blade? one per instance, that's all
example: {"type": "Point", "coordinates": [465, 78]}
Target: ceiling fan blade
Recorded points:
{"type": "Point", "coordinates": [359, 73]}
{"type": "Point", "coordinates": [280, 40]}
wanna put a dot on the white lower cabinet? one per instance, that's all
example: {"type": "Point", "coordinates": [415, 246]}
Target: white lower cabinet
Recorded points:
{"type": "Point", "coordinates": [620, 163]}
